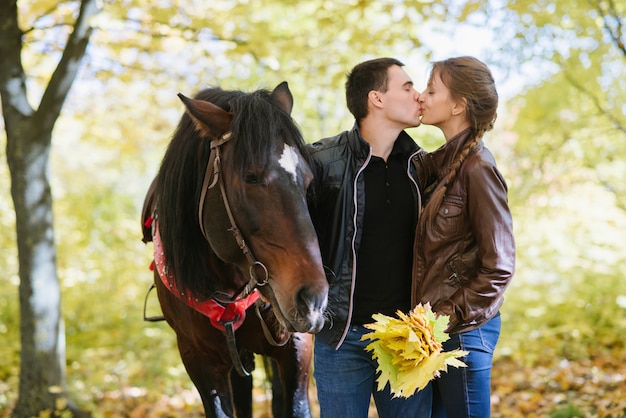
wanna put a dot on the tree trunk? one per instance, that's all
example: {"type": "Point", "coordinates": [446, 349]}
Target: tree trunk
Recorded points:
{"type": "Point", "coordinates": [42, 369]}
{"type": "Point", "coordinates": [42, 372]}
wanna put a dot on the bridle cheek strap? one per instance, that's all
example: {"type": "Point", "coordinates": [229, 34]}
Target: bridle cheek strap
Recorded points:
{"type": "Point", "coordinates": [211, 178]}
{"type": "Point", "coordinates": [211, 174]}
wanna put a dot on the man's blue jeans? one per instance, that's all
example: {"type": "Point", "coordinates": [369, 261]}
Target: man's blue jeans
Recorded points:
{"type": "Point", "coordinates": [346, 380]}
{"type": "Point", "coordinates": [465, 392]}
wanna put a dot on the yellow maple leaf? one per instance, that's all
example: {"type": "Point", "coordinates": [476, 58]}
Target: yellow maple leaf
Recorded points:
{"type": "Point", "coordinates": [408, 349]}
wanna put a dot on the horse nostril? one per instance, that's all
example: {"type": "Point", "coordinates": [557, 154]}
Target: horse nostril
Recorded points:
{"type": "Point", "coordinates": [311, 299]}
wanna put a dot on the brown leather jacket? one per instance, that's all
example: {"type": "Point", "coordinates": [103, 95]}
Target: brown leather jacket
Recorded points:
{"type": "Point", "coordinates": [463, 265]}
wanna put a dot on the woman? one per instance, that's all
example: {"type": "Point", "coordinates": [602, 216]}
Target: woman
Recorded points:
{"type": "Point", "coordinates": [464, 246]}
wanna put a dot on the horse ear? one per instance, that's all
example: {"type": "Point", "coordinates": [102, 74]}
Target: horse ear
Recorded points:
{"type": "Point", "coordinates": [283, 96]}
{"type": "Point", "coordinates": [210, 120]}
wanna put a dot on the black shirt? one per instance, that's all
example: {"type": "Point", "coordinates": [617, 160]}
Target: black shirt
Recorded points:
{"type": "Point", "coordinates": [385, 256]}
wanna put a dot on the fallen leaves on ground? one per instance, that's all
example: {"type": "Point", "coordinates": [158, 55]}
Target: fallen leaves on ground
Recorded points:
{"type": "Point", "coordinates": [594, 388]}
{"type": "Point", "coordinates": [556, 388]}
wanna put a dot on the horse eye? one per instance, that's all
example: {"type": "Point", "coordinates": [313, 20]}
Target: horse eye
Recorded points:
{"type": "Point", "coordinates": [252, 178]}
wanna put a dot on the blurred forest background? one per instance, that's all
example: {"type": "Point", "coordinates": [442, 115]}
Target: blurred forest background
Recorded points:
{"type": "Point", "coordinates": [560, 140]}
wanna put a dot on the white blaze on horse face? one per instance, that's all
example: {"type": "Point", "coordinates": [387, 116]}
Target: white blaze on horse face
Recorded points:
{"type": "Point", "coordinates": [289, 161]}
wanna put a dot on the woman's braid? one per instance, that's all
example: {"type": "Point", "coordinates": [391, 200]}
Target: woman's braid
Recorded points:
{"type": "Point", "coordinates": [434, 203]}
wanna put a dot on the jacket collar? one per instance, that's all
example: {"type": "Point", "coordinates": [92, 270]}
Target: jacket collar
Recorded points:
{"type": "Point", "coordinates": [404, 144]}
{"type": "Point", "coordinates": [444, 156]}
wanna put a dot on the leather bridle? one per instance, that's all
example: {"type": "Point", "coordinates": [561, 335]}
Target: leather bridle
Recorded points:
{"type": "Point", "coordinates": [211, 178]}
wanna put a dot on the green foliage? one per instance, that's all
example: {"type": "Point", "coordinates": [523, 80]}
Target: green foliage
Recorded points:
{"type": "Point", "coordinates": [570, 411]}
{"type": "Point", "coordinates": [246, 45]}
{"type": "Point", "coordinates": [9, 297]}
{"type": "Point", "coordinates": [581, 319]}
{"type": "Point", "coordinates": [567, 298]}
{"type": "Point", "coordinates": [570, 122]}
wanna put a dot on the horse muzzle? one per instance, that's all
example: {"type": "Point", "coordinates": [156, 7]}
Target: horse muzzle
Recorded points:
{"type": "Point", "coordinates": [303, 312]}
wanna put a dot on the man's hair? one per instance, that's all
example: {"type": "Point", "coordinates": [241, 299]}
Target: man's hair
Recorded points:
{"type": "Point", "coordinates": [365, 77]}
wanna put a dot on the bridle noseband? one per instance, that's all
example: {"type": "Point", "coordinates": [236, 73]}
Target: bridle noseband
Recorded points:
{"type": "Point", "coordinates": [211, 178]}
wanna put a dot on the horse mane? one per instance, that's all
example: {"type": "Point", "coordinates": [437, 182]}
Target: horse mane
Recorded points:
{"type": "Point", "coordinates": [257, 122]}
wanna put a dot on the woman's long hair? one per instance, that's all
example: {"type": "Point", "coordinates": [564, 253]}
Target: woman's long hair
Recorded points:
{"type": "Point", "coordinates": [470, 79]}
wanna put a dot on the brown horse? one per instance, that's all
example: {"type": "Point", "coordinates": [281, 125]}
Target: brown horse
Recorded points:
{"type": "Point", "coordinates": [237, 264]}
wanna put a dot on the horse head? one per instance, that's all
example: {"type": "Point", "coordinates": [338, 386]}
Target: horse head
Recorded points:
{"type": "Point", "coordinates": [253, 210]}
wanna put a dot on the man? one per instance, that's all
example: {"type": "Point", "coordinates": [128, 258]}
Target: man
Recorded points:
{"type": "Point", "coordinates": [364, 202]}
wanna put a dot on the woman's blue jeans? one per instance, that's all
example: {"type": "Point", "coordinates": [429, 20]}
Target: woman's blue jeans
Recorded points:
{"type": "Point", "coordinates": [346, 380]}
{"type": "Point", "coordinates": [465, 392]}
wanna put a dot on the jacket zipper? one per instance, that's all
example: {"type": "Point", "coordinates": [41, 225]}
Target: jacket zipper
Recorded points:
{"type": "Point", "coordinates": [354, 219]}
{"type": "Point", "coordinates": [454, 277]}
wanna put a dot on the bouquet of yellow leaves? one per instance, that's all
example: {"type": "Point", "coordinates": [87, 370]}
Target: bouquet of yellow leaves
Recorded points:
{"type": "Point", "coordinates": [409, 350]}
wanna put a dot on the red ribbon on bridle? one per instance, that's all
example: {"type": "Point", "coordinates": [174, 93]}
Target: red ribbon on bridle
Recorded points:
{"type": "Point", "coordinates": [218, 313]}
